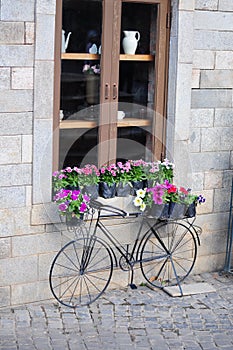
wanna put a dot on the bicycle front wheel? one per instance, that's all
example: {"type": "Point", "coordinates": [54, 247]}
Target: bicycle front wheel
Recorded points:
{"type": "Point", "coordinates": [168, 254]}
{"type": "Point", "coordinates": [81, 271]}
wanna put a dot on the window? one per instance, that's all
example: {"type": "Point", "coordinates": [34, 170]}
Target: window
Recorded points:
{"type": "Point", "coordinates": [109, 65]}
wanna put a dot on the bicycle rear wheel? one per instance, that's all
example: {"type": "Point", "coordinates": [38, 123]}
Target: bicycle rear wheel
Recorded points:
{"type": "Point", "coordinates": [168, 259]}
{"type": "Point", "coordinates": [81, 271]}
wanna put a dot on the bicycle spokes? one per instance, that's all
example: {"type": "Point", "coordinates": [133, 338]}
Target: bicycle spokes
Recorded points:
{"type": "Point", "coordinates": [81, 272]}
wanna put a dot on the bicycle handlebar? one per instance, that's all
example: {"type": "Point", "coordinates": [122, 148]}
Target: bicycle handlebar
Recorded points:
{"type": "Point", "coordinates": [109, 208]}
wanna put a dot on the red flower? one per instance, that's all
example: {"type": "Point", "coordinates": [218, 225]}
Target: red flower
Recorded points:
{"type": "Point", "coordinates": [172, 189]}
{"type": "Point", "coordinates": [183, 190]}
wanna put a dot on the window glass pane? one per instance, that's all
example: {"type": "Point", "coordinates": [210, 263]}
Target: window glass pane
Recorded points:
{"type": "Point", "coordinates": [80, 80]}
{"type": "Point", "coordinates": [137, 77]}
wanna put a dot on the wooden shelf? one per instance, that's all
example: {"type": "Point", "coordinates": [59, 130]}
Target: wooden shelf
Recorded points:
{"type": "Point", "coordinates": [88, 56]}
{"type": "Point", "coordinates": [136, 57]}
{"type": "Point", "coordinates": [79, 56]}
{"type": "Point", "coordinates": [86, 124]}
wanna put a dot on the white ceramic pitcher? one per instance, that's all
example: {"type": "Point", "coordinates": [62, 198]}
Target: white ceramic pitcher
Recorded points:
{"type": "Point", "coordinates": [64, 42]}
{"type": "Point", "coordinates": [130, 41]}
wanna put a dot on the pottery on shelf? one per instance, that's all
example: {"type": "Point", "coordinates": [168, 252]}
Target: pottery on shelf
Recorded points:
{"type": "Point", "coordinates": [130, 41]}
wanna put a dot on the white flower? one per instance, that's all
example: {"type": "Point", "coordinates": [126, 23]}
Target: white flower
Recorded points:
{"type": "Point", "coordinates": [137, 202]}
{"type": "Point", "coordinates": [143, 207]}
{"type": "Point", "coordinates": [141, 193]}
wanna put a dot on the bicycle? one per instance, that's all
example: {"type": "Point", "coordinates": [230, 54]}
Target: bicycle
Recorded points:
{"type": "Point", "coordinates": [165, 251]}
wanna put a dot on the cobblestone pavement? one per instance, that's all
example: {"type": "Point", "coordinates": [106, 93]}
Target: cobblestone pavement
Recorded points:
{"type": "Point", "coordinates": [127, 319]}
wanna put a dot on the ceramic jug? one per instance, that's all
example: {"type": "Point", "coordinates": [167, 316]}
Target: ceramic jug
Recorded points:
{"type": "Point", "coordinates": [64, 42]}
{"type": "Point", "coordinates": [130, 41]}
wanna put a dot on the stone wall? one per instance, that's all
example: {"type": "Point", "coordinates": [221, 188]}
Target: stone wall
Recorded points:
{"type": "Point", "coordinates": [26, 114]}
{"type": "Point", "coordinates": [199, 133]}
{"type": "Point", "coordinates": [203, 134]}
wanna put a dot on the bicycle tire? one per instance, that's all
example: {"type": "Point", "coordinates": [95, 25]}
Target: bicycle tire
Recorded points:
{"type": "Point", "coordinates": [81, 272]}
{"type": "Point", "coordinates": [167, 261]}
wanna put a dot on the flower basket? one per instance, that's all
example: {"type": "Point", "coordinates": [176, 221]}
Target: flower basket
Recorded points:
{"type": "Point", "coordinates": [123, 190]}
{"type": "Point", "coordinates": [177, 210]}
{"type": "Point", "coordinates": [106, 190]}
{"type": "Point", "coordinates": [73, 221]}
{"type": "Point", "coordinates": [91, 190]}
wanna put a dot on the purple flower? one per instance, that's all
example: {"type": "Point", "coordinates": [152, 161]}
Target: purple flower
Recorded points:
{"type": "Point", "coordinates": [62, 207]}
{"type": "Point", "coordinates": [76, 192]}
{"type": "Point", "coordinates": [201, 199]}
{"type": "Point", "coordinates": [82, 207]}
{"type": "Point", "coordinates": [86, 198]}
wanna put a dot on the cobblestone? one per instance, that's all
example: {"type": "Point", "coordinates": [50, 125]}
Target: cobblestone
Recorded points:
{"type": "Point", "coordinates": [127, 319]}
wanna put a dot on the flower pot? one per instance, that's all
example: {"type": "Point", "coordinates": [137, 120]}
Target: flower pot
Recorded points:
{"type": "Point", "coordinates": [91, 190]}
{"type": "Point", "coordinates": [191, 210]}
{"type": "Point", "coordinates": [150, 183]}
{"type": "Point", "coordinates": [158, 211]}
{"type": "Point", "coordinates": [137, 185]}
{"type": "Point", "coordinates": [73, 221]}
{"type": "Point", "coordinates": [107, 191]}
{"type": "Point", "coordinates": [123, 190]}
{"type": "Point", "coordinates": [165, 212]}
{"type": "Point", "coordinates": [177, 210]}
{"type": "Point", "coordinates": [92, 89]}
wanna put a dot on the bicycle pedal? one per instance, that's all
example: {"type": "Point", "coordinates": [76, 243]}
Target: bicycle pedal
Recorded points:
{"type": "Point", "coordinates": [133, 286]}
